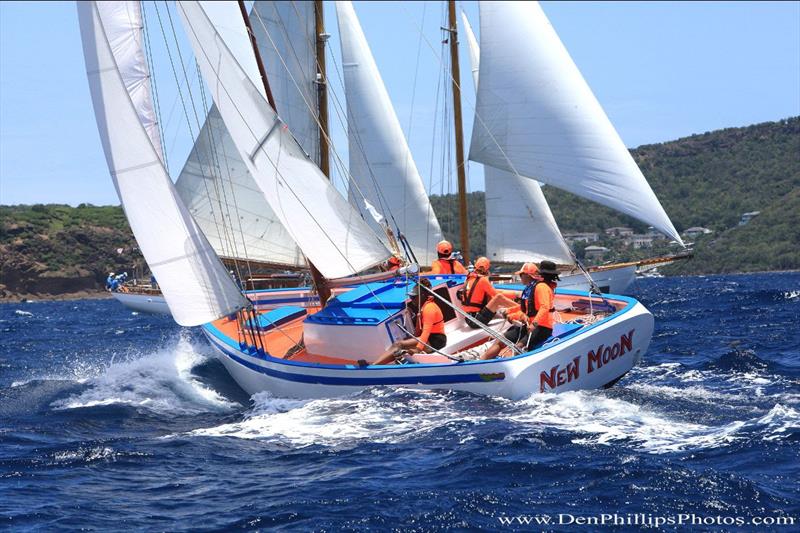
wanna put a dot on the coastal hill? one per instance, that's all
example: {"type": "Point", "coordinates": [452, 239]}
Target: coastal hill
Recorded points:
{"type": "Point", "coordinates": [707, 180]}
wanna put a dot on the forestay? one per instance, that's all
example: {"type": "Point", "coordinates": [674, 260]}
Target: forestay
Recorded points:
{"type": "Point", "coordinates": [519, 224]}
{"type": "Point", "coordinates": [195, 284]}
{"type": "Point", "coordinates": [380, 161]}
{"type": "Point", "coordinates": [329, 232]}
{"type": "Point", "coordinates": [536, 116]}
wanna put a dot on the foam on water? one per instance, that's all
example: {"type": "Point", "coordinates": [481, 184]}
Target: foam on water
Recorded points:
{"type": "Point", "coordinates": [161, 382]}
{"type": "Point", "coordinates": [20, 312]}
{"type": "Point", "coordinates": [384, 416]}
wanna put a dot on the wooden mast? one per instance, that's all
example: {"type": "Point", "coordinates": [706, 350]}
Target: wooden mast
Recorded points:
{"type": "Point", "coordinates": [460, 169]}
{"type": "Point", "coordinates": [319, 280]}
{"type": "Point", "coordinates": [322, 90]}
{"type": "Point", "coordinates": [320, 283]}
{"type": "Point", "coordinates": [261, 71]}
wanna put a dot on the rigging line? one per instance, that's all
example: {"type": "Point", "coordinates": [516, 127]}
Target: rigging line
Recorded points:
{"type": "Point", "coordinates": [410, 127]}
{"type": "Point", "coordinates": [337, 107]}
{"type": "Point", "coordinates": [492, 333]}
{"type": "Point", "coordinates": [262, 149]}
{"type": "Point", "coordinates": [473, 105]}
{"type": "Point", "coordinates": [156, 96]}
{"type": "Point", "coordinates": [183, 101]}
{"type": "Point", "coordinates": [221, 185]}
{"type": "Point", "coordinates": [228, 234]}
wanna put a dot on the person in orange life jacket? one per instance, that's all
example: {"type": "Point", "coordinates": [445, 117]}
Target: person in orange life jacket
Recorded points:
{"type": "Point", "coordinates": [429, 324]}
{"type": "Point", "coordinates": [392, 264]}
{"type": "Point", "coordinates": [533, 322]}
{"type": "Point", "coordinates": [445, 264]}
{"type": "Point", "coordinates": [479, 298]}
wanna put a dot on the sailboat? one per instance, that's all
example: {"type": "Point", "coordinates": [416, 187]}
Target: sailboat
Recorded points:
{"type": "Point", "coordinates": [327, 350]}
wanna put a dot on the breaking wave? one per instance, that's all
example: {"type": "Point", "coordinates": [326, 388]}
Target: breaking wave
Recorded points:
{"type": "Point", "coordinates": [161, 382]}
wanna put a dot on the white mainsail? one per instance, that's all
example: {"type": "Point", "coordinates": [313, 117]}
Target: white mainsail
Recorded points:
{"type": "Point", "coordinates": [331, 234]}
{"type": "Point", "coordinates": [215, 183]}
{"type": "Point", "coordinates": [537, 117]}
{"type": "Point", "coordinates": [380, 160]}
{"type": "Point", "coordinates": [519, 224]}
{"type": "Point", "coordinates": [195, 284]}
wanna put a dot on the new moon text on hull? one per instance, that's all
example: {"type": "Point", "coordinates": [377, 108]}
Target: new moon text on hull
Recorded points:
{"type": "Point", "coordinates": [556, 376]}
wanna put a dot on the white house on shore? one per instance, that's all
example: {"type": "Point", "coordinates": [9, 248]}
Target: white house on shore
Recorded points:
{"type": "Point", "coordinates": [747, 217]}
{"type": "Point", "coordinates": [581, 237]}
{"type": "Point", "coordinates": [594, 253]}
{"type": "Point", "coordinates": [619, 231]}
{"type": "Point", "coordinates": [696, 231]}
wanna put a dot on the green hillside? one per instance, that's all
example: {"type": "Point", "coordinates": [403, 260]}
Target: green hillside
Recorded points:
{"type": "Point", "coordinates": [56, 249]}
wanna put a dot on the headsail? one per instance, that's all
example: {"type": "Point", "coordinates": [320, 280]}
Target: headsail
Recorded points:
{"type": "Point", "coordinates": [380, 160]}
{"type": "Point", "coordinates": [225, 201]}
{"type": "Point", "coordinates": [519, 223]}
{"type": "Point", "coordinates": [536, 116]}
{"type": "Point", "coordinates": [326, 228]}
{"type": "Point", "coordinates": [215, 183]}
{"type": "Point", "coordinates": [194, 282]}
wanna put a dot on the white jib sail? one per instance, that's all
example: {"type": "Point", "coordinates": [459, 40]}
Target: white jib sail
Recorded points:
{"type": "Point", "coordinates": [195, 284]}
{"type": "Point", "coordinates": [380, 160]}
{"type": "Point", "coordinates": [327, 229]}
{"type": "Point", "coordinates": [536, 116]}
{"type": "Point", "coordinates": [519, 223]}
{"type": "Point", "coordinates": [226, 202]}
{"type": "Point", "coordinates": [215, 183]}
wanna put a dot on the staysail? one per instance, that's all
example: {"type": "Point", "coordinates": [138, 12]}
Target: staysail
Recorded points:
{"type": "Point", "coordinates": [327, 229]}
{"type": "Point", "coordinates": [195, 284]}
{"type": "Point", "coordinates": [226, 202]}
{"type": "Point", "coordinates": [519, 224]}
{"type": "Point", "coordinates": [537, 117]}
{"type": "Point", "coordinates": [215, 183]}
{"type": "Point", "coordinates": [380, 160]}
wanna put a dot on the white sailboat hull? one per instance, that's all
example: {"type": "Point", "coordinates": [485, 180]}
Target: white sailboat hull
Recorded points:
{"type": "Point", "coordinates": [613, 280]}
{"type": "Point", "coordinates": [595, 357]}
{"type": "Point", "coordinates": [143, 303]}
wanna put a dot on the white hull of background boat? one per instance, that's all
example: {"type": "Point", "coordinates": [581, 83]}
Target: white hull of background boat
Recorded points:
{"type": "Point", "coordinates": [612, 280]}
{"type": "Point", "coordinates": [592, 357]}
{"type": "Point", "coordinates": [143, 303]}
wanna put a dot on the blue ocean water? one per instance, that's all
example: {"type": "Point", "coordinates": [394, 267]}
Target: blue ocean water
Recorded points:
{"type": "Point", "coordinates": [112, 420]}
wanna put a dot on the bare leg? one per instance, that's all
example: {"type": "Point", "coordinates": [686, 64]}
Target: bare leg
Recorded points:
{"type": "Point", "coordinates": [387, 357]}
{"type": "Point", "coordinates": [493, 350]}
{"type": "Point", "coordinates": [500, 300]}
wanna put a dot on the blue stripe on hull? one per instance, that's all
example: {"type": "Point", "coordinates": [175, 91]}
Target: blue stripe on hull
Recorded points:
{"type": "Point", "coordinates": [360, 382]}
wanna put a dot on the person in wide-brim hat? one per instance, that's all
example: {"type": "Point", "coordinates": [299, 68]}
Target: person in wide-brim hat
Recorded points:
{"type": "Point", "coordinates": [548, 268]}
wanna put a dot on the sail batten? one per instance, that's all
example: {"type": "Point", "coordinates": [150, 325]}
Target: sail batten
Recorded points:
{"type": "Point", "coordinates": [537, 117]}
{"type": "Point", "coordinates": [194, 282]}
{"type": "Point", "coordinates": [519, 223]}
{"type": "Point", "coordinates": [380, 160]}
{"type": "Point", "coordinates": [330, 233]}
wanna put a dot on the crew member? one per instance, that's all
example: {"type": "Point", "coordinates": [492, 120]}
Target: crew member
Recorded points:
{"type": "Point", "coordinates": [446, 264]}
{"type": "Point", "coordinates": [109, 280]}
{"type": "Point", "coordinates": [534, 319]}
{"type": "Point", "coordinates": [429, 322]}
{"type": "Point", "coordinates": [392, 264]}
{"type": "Point", "coordinates": [479, 298]}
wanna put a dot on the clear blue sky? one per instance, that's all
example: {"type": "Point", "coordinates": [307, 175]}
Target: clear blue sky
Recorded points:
{"type": "Point", "coordinates": [661, 70]}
